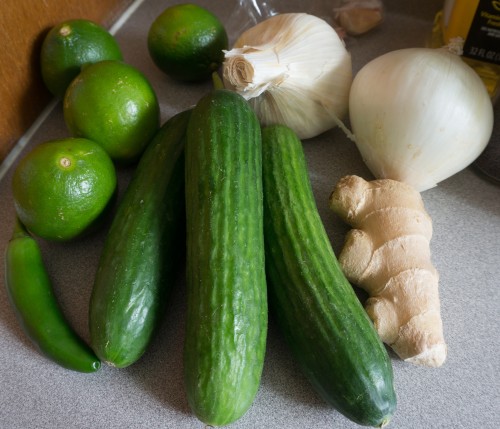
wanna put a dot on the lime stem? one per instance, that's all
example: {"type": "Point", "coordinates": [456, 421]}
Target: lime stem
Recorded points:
{"type": "Point", "coordinates": [65, 30]}
{"type": "Point", "coordinates": [65, 162]}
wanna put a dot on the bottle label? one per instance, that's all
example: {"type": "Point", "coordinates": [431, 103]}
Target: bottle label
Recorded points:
{"type": "Point", "coordinates": [483, 39]}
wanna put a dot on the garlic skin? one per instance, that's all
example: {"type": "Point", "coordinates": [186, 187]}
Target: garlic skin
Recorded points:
{"type": "Point", "coordinates": [419, 116]}
{"type": "Point", "coordinates": [294, 70]}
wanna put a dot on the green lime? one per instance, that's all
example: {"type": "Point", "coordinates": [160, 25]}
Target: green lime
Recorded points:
{"type": "Point", "coordinates": [186, 42]}
{"type": "Point", "coordinates": [63, 187]}
{"type": "Point", "coordinates": [113, 104]}
{"type": "Point", "coordinates": [70, 45]}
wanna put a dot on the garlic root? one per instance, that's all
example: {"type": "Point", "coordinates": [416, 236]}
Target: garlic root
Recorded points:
{"type": "Point", "coordinates": [388, 255]}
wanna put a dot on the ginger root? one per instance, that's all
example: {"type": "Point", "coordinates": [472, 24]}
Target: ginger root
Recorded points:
{"type": "Point", "coordinates": [387, 253]}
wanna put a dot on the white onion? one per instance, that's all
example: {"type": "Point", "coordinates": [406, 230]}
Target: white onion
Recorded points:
{"type": "Point", "coordinates": [419, 115]}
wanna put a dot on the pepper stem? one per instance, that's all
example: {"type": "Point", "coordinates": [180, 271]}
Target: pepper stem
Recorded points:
{"type": "Point", "coordinates": [20, 230]}
{"type": "Point", "coordinates": [217, 81]}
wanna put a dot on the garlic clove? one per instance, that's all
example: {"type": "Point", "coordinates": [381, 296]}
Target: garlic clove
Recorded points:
{"type": "Point", "coordinates": [356, 21]}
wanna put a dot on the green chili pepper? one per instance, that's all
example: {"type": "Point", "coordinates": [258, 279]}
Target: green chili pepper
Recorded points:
{"type": "Point", "coordinates": [31, 294]}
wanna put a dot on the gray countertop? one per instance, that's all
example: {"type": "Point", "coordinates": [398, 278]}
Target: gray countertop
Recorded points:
{"type": "Point", "coordinates": [464, 393]}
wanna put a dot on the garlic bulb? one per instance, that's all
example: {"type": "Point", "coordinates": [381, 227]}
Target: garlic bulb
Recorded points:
{"type": "Point", "coordinates": [419, 115]}
{"type": "Point", "coordinates": [295, 70]}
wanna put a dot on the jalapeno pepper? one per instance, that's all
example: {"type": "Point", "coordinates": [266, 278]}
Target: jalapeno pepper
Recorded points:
{"type": "Point", "coordinates": [31, 294]}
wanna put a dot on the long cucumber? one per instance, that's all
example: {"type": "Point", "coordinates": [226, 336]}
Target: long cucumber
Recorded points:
{"type": "Point", "coordinates": [226, 324]}
{"type": "Point", "coordinates": [316, 308]}
{"type": "Point", "coordinates": [137, 265]}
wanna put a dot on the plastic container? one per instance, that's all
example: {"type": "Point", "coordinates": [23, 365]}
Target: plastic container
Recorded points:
{"type": "Point", "coordinates": [477, 23]}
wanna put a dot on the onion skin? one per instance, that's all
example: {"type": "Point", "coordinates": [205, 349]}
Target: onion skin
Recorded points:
{"type": "Point", "coordinates": [419, 116]}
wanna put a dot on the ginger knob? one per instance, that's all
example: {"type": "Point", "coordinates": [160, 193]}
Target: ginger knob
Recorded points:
{"type": "Point", "coordinates": [387, 253]}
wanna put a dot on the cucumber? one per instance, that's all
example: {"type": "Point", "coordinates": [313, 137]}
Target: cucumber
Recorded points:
{"type": "Point", "coordinates": [137, 265]}
{"type": "Point", "coordinates": [226, 322]}
{"type": "Point", "coordinates": [30, 292]}
{"type": "Point", "coordinates": [314, 305]}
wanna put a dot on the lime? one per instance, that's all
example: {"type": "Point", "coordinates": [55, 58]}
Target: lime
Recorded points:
{"type": "Point", "coordinates": [113, 104]}
{"type": "Point", "coordinates": [186, 42]}
{"type": "Point", "coordinates": [63, 187]}
{"type": "Point", "coordinates": [68, 46]}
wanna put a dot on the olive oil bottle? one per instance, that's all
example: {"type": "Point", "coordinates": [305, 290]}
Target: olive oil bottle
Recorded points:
{"type": "Point", "coordinates": [477, 23]}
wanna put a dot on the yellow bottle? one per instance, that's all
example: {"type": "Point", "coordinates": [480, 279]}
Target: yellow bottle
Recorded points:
{"type": "Point", "coordinates": [477, 22]}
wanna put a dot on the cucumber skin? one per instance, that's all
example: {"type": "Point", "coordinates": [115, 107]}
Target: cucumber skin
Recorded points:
{"type": "Point", "coordinates": [226, 324]}
{"type": "Point", "coordinates": [31, 295]}
{"type": "Point", "coordinates": [138, 261]}
{"type": "Point", "coordinates": [316, 308]}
